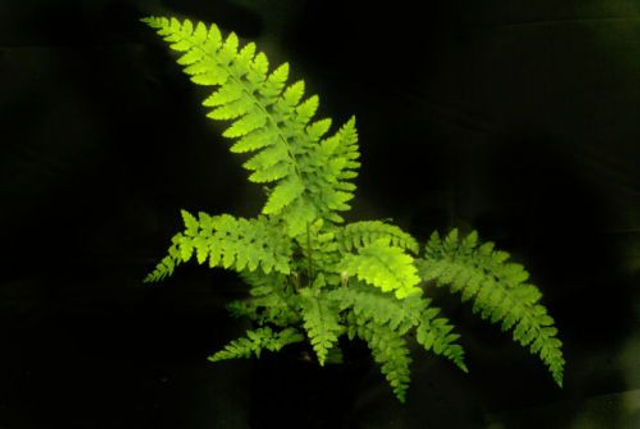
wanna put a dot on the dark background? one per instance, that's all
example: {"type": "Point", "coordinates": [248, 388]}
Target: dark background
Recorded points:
{"type": "Point", "coordinates": [519, 119]}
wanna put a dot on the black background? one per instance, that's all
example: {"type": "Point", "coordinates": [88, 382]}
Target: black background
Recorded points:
{"type": "Point", "coordinates": [519, 119]}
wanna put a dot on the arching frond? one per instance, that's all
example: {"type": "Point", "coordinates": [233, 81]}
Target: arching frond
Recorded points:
{"type": "Point", "coordinates": [307, 170]}
{"type": "Point", "coordinates": [228, 242]}
{"type": "Point", "coordinates": [499, 290]}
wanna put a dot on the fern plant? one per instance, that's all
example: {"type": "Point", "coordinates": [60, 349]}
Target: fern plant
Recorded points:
{"type": "Point", "coordinates": [311, 276]}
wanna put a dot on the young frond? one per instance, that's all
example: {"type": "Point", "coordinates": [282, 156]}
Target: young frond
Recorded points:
{"type": "Point", "coordinates": [256, 341]}
{"type": "Point", "coordinates": [499, 290]}
{"type": "Point", "coordinates": [385, 266]}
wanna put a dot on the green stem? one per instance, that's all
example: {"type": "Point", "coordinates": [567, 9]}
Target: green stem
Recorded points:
{"type": "Point", "coordinates": [310, 266]}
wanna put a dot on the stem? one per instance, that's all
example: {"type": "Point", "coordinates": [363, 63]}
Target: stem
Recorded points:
{"type": "Point", "coordinates": [310, 266]}
{"type": "Point", "coordinates": [295, 281]}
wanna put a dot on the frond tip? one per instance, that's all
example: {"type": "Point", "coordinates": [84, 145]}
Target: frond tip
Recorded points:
{"type": "Point", "coordinates": [256, 341]}
{"type": "Point", "coordinates": [321, 321]}
{"type": "Point", "coordinates": [390, 350]}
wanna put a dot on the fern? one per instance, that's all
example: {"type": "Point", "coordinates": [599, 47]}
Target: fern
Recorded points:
{"type": "Point", "coordinates": [310, 276]}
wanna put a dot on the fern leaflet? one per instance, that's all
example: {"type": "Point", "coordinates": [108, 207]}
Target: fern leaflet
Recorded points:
{"type": "Point", "coordinates": [434, 334]}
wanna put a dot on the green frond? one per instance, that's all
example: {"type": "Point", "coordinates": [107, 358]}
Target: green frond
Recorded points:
{"type": "Point", "coordinates": [256, 341]}
{"type": "Point", "coordinates": [385, 266]}
{"type": "Point", "coordinates": [434, 334]}
{"type": "Point", "coordinates": [369, 305]}
{"type": "Point", "coordinates": [229, 242]}
{"type": "Point", "coordinates": [271, 121]}
{"type": "Point", "coordinates": [358, 234]}
{"type": "Point", "coordinates": [322, 323]}
{"type": "Point", "coordinates": [389, 349]}
{"type": "Point", "coordinates": [499, 290]}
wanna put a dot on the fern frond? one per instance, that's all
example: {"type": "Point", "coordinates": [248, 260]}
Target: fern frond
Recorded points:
{"type": "Point", "coordinates": [358, 234]}
{"type": "Point", "coordinates": [322, 323]}
{"type": "Point", "coordinates": [385, 266]}
{"type": "Point", "coordinates": [308, 176]}
{"type": "Point", "coordinates": [499, 290]}
{"type": "Point", "coordinates": [389, 349]}
{"type": "Point", "coordinates": [369, 305]}
{"type": "Point", "coordinates": [434, 334]}
{"type": "Point", "coordinates": [223, 240]}
{"type": "Point", "coordinates": [257, 340]}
